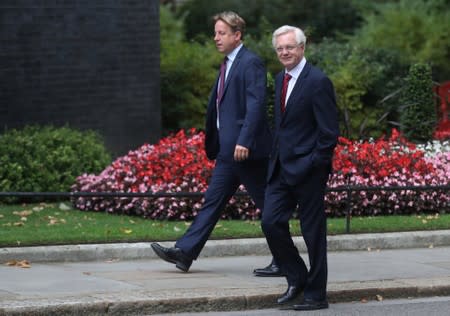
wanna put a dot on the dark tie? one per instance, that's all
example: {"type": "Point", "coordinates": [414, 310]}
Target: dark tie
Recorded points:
{"type": "Point", "coordinates": [223, 70]}
{"type": "Point", "coordinates": [286, 79]}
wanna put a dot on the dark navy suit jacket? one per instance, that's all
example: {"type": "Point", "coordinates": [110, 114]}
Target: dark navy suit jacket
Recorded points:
{"type": "Point", "coordinates": [242, 119]}
{"type": "Point", "coordinates": [306, 133]}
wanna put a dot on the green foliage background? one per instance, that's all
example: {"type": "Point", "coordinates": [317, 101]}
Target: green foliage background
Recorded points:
{"type": "Point", "coordinates": [188, 69]}
{"type": "Point", "coordinates": [48, 159]}
{"type": "Point", "coordinates": [418, 114]}
{"type": "Point", "coordinates": [366, 47]}
{"type": "Point", "coordinates": [418, 30]}
{"type": "Point", "coordinates": [319, 18]}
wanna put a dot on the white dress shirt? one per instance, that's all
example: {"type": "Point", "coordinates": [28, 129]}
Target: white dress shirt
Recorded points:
{"type": "Point", "coordinates": [231, 57]}
{"type": "Point", "coordinates": [295, 73]}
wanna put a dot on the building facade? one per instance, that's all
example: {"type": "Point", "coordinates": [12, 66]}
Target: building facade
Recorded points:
{"type": "Point", "coordinates": [83, 64]}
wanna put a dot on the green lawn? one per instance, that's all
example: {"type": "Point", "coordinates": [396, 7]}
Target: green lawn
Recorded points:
{"type": "Point", "coordinates": [51, 224]}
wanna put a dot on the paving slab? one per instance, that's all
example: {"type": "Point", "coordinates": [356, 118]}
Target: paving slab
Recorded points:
{"type": "Point", "coordinates": [151, 286]}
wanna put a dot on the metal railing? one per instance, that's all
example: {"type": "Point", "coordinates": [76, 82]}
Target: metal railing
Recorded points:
{"type": "Point", "coordinates": [348, 189]}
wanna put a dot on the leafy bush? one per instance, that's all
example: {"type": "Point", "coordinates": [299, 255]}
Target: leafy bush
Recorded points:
{"type": "Point", "coordinates": [48, 159]}
{"type": "Point", "coordinates": [188, 71]}
{"type": "Point", "coordinates": [178, 164]}
{"type": "Point", "coordinates": [418, 30]}
{"type": "Point", "coordinates": [321, 18]}
{"type": "Point", "coordinates": [361, 78]}
{"type": "Point", "coordinates": [418, 117]}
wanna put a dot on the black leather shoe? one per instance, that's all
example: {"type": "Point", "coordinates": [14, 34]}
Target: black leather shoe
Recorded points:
{"type": "Point", "coordinates": [291, 293]}
{"type": "Point", "coordinates": [272, 270]}
{"type": "Point", "coordinates": [173, 255]}
{"type": "Point", "coordinates": [310, 305]}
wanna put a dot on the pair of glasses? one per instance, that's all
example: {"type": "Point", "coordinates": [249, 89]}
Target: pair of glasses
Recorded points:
{"type": "Point", "coordinates": [289, 48]}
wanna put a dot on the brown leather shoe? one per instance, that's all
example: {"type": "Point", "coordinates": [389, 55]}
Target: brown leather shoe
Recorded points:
{"type": "Point", "coordinates": [173, 255]}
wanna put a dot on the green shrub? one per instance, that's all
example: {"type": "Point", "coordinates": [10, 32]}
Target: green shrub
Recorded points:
{"type": "Point", "coordinates": [188, 71]}
{"type": "Point", "coordinates": [418, 117]}
{"type": "Point", "coordinates": [417, 30]}
{"type": "Point", "coordinates": [48, 159]}
{"type": "Point", "coordinates": [354, 72]}
{"type": "Point", "coordinates": [320, 18]}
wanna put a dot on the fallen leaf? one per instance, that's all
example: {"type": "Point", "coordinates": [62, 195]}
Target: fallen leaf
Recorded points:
{"type": "Point", "coordinates": [64, 207]}
{"type": "Point", "coordinates": [23, 213]}
{"type": "Point", "coordinates": [175, 228]}
{"type": "Point", "coordinates": [424, 221]}
{"type": "Point", "coordinates": [218, 226]}
{"type": "Point", "coordinates": [126, 230]}
{"type": "Point", "coordinates": [24, 264]}
{"type": "Point", "coordinates": [18, 224]}
{"type": "Point", "coordinates": [11, 263]}
{"type": "Point", "coordinates": [379, 298]}
{"type": "Point", "coordinates": [21, 264]}
{"type": "Point", "coordinates": [369, 249]}
{"type": "Point", "coordinates": [53, 221]}
{"type": "Point", "coordinates": [1, 216]}
{"type": "Point", "coordinates": [431, 246]}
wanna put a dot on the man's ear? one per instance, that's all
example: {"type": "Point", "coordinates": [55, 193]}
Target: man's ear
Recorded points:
{"type": "Point", "coordinates": [238, 35]}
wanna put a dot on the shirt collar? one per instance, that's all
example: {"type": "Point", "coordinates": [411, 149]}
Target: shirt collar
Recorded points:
{"type": "Point", "coordinates": [231, 56]}
{"type": "Point", "coordinates": [295, 72]}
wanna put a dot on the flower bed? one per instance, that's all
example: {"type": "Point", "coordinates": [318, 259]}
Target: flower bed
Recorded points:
{"type": "Point", "coordinates": [178, 164]}
{"type": "Point", "coordinates": [389, 162]}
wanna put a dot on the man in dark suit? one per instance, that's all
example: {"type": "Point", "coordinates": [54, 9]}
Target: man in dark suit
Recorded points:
{"type": "Point", "coordinates": [306, 133]}
{"type": "Point", "coordinates": [237, 136]}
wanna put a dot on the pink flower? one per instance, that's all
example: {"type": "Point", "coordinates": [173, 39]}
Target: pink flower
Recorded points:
{"type": "Point", "coordinates": [178, 164]}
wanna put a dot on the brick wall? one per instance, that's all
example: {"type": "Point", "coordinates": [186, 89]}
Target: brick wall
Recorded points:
{"type": "Point", "coordinates": [88, 64]}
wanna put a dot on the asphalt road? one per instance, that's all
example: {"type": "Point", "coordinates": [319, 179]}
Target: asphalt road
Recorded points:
{"type": "Point", "coordinates": [434, 306]}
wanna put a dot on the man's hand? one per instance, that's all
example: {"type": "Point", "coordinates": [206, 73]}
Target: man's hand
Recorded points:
{"type": "Point", "coordinates": [240, 153]}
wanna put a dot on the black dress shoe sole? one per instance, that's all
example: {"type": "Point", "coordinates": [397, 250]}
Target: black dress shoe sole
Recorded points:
{"type": "Point", "coordinates": [161, 253]}
{"type": "Point", "coordinates": [156, 248]}
{"type": "Point", "coordinates": [289, 301]}
{"type": "Point", "coordinates": [284, 301]}
{"type": "Point", "coordinates": [310, 306]}
{"type": "Point", "coordinates": [181, 266]}
{"type": "Point", "coordinates": [270, 275]}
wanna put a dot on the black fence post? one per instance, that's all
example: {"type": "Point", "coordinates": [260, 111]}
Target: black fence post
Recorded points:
{"type": "Point", "coordinates": [348, 204]}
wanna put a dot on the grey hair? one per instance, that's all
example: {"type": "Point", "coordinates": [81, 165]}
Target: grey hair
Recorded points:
{"type": "Point", "coordinates": [300, 37]}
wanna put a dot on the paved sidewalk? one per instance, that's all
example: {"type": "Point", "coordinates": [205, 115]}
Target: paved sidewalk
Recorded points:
{"type": "Point", "coordinates": [126, 279]}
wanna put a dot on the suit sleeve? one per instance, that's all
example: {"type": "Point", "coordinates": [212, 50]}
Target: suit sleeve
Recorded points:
{"type": "Point", "coordinates": [325, 112]}
{"type": "Point", "coordinates": [255, 102]}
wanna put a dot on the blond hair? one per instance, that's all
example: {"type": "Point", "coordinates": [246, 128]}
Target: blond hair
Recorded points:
{"type": "Point", "coordinates": [231, 18]}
